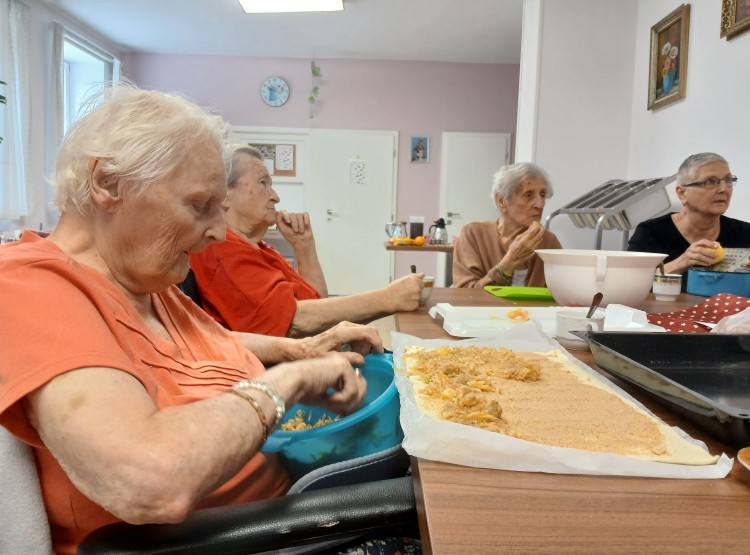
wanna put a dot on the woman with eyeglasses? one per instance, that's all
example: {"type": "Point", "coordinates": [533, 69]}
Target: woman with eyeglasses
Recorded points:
{"type": "Point", "coordinates": [690, 237]}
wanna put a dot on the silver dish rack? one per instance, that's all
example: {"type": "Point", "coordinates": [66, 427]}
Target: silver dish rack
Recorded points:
{"type": "Point", "coordinates": [618, 205]}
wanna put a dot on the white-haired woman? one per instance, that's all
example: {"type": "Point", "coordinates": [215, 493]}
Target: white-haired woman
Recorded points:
{"type": "Point", "coordinates": [137, 404]}
{"type": "Point", "coordinates": [502, 252]}
{"type": "Point", "coordinates": [690, 237]}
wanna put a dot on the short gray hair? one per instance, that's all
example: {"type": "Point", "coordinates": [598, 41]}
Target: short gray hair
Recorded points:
{"type": "Point", "coordinates": [686, 172]}
{"type": "Point", "coordinates": [237, 169]}
{"type": "Point", "coordinates": [508, 179]}
{"type": "Point", "coordinates": [138, 135]}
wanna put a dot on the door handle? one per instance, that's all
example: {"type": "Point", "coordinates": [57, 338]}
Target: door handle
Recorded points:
{"type": "Point", "coordinates": [453, 214]}
{"type": "Point", "coordinates": [332, 212]}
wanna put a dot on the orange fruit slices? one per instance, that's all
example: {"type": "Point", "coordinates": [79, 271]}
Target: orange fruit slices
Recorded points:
{"type": "Point", "coordinates": [402, 241]}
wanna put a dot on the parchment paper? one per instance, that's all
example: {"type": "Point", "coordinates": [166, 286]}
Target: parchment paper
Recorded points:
{"type": "Point", "coordinates": [444, 441]}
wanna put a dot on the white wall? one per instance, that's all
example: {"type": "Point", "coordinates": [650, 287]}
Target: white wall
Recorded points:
{"type": "Point", "coordinates": [584, 100]}
{"type": "Point", "coordinates": [414, 98]}
{"type": "Point", "coordinates": [592, 122]}
{"type": "Point", "coordinates": [715, 113]}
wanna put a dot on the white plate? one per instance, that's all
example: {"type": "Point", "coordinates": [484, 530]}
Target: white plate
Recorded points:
{"type": "Point", "coordinates": [486, 321]}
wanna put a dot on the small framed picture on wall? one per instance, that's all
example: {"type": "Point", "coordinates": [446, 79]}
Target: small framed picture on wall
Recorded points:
{"type": "Point", "coordinates": [667, 80]}
{"type": "Point", "coordinates": [735, 17]}
{"type": "Point", "coordinates": [420, 149]}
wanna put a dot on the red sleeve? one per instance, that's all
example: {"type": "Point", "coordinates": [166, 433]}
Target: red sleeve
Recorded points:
{"type": "Point", "coordinates": [249, 289]}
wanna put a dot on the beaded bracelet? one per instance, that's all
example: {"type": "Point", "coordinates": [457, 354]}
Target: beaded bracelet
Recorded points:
{"type": "Point", "coordinates": [258, 409]}
{"type": "Point", "coordinates": [263, 387]}
{"type": "Point", "coordinates": [499, 270]}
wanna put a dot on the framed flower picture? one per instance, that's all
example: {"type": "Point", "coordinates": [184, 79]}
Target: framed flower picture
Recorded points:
{"type": "Point", "coordinates": [735, 17]}
{"type": "Point", "coordinates": [667, 79]}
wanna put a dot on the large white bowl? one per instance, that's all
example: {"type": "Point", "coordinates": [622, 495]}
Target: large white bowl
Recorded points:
{"type": "Point", "coordinates": [574, 276]}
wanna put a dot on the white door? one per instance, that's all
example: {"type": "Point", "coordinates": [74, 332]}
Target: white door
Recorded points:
{"type": "Point", "coordinates": [350, 192]}
{"type": "Point", "coordinates": [468, 161]}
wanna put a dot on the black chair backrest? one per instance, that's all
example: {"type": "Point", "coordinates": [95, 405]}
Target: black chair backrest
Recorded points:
{"type": "Point", "coordinates": [189, 286]}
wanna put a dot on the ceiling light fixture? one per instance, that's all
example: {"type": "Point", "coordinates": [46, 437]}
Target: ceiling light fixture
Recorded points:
{"type": "Point", "coordinates": [285, 6]}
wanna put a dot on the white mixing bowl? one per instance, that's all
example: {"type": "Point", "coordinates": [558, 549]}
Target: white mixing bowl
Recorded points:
{"type": "Point", "coordinates": [574, 276]}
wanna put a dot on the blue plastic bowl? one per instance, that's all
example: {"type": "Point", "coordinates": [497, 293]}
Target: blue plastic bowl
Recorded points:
{"type": "Point", "coordinates": [372, 428]}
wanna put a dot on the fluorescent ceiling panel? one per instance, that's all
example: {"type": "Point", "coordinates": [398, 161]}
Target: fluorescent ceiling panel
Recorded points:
{"type": "Point", "coordinates": [285, 6]}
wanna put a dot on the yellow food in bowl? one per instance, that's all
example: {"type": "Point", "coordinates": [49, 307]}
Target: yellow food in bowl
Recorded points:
{"type": "Point", "coordinates": [302, 421]}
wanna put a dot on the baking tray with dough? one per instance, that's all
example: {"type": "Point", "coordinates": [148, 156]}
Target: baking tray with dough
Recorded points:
{"type": "Point", "coordinates": [703, 377]}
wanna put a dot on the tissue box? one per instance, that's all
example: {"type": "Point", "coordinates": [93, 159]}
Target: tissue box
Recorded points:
{"type": "Point", "coordinates": [709, 283]}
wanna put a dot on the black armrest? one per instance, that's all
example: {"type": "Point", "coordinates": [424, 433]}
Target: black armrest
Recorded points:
{"type": "Point", "coordinates": [276, 523]}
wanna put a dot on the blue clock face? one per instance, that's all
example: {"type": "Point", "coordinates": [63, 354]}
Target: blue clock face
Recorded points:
{"type": "Point", "coordinates": [274, 91]}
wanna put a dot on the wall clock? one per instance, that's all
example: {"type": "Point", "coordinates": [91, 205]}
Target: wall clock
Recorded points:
{"type": "Point", "coordinates": [274, 91]}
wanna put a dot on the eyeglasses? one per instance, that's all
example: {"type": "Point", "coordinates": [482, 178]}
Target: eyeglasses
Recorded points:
{"type": "Point", "coordinates": [713, 182]}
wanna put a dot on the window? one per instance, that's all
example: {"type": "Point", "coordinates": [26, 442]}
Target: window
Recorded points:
{"type": "Point", "coordinates": [82, 69]}
{"type": "Point", "coordinates": [86, 69]}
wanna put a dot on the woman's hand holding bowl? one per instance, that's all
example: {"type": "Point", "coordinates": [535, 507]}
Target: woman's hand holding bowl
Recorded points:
{"type": "Point", "coordinates": [357, 339]}
{"type": "Point", "coordinates": [329, 382]}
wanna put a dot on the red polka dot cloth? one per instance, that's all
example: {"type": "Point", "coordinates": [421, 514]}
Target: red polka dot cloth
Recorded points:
{"type": "Point", "coordinates": [711, 311]}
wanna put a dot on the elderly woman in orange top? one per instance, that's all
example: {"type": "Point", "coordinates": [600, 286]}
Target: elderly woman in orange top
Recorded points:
{"type": "Point", "coordinates": [137, 404]}
{"type": "Point", "coordinates": [502, 252]}
{"type": "Point", "coordinates": [246, 285]}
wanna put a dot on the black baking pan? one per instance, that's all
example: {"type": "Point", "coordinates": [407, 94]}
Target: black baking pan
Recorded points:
{"type": "Point", "coordinates": [703, 377]}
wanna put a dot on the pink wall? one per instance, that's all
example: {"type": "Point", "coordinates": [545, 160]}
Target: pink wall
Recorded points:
{"type": "Point", "coordinates": [414, 98]}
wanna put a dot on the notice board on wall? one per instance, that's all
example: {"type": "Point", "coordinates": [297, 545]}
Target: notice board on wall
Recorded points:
{"type": "Point", "coordinates": [281, 159]}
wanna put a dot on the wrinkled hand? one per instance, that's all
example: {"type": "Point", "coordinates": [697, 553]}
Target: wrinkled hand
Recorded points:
{"type": "Point", "coordinates": [361, 340]}
{"type": "Point", "coordinates": [700, 253]}
{"type": "Point", "coordinates": [522, 247]}
{"type": "Point", "coordinates": [330, 382]}
{"type": "Point", "coordinates": [404, 292]}
{"type": "Point", "coordinates": [295, 227]}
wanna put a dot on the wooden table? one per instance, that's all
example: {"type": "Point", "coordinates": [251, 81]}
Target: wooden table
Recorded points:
{"type": "Point", "coordinates": [427, 247]}
{"type": "Point", "coordinates": [474, 510]}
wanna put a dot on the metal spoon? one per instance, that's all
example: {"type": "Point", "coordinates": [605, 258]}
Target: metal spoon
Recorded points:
{"type": "Point", "coordinates": [594, 304]}
{"type": "Point", "coordinates": [661, 267]}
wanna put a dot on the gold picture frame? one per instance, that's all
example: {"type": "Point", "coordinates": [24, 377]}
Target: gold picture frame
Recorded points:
{"type": "Point", "coordinates": [667, 80]}
{"type": "Point", "coordinates": [735, 17]}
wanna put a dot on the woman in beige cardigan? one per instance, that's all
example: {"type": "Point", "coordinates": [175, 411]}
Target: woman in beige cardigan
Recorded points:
{"type": "Point", "coordinates": [502, 252]}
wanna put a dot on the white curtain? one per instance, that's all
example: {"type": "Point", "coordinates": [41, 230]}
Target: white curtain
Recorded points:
{"type": "Point", "coordinates": [15, 116]}
{"type": "Point", "coordinates": [54, 123]}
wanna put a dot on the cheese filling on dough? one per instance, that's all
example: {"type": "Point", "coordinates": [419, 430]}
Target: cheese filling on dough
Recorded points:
{"type": "Point", "coordinates": [539, 397]}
